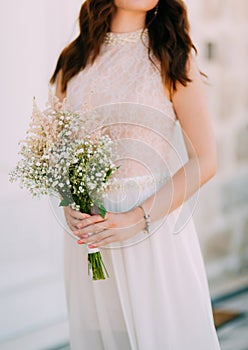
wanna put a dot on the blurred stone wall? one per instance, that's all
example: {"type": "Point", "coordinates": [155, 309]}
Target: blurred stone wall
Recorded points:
{"type": "Point", "coordinates": [219, 30]}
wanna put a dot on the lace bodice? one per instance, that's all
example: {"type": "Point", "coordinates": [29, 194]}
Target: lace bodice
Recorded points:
{"type": "Point", "coordinates": [121, 73]}
{"type": "Point", "coordinates": [123, 91]}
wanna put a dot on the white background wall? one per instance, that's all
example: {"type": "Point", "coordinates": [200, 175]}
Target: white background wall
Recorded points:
{"type": "Point", "coordinates": [33, 32]}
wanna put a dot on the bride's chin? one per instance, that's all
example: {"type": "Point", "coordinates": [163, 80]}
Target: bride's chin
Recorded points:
{"type": "Point", "coordinates": [136, 5]}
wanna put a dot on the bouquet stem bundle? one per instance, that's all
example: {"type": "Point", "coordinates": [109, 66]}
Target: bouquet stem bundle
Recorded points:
{"type": "Point", "coordinates": [96, 267]}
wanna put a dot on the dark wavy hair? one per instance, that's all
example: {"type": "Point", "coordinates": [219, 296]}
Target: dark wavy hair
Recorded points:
{"type": "Point", "coordinates": [169, 40]}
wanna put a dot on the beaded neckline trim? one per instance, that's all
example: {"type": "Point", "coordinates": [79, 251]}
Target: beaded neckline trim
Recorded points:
{"type": "Point", "coordinates": [112, 38]}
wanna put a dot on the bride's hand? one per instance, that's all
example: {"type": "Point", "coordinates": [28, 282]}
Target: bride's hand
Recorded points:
{"type": "Point", "coordinates": [114, 227]}
{"type": "Point", "coordinates": [74, 217]}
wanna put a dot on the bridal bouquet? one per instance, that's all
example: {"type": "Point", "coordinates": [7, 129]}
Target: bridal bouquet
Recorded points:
{"type": "Point", "coordinates": [60, 157]}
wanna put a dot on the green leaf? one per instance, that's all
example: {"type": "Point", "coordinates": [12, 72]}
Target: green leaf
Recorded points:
{"type": "Point", "coordinates": [109, 172]}
{"type": "Point", "coordinates": [64, 203]}
{"type": "Point", "coordinates": [102, 211]}
{"type": "Point", "coordinates": [100, 207]}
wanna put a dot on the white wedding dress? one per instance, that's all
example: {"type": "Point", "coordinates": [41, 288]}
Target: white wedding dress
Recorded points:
{"type": "Point", "coordinates": [157, 296]}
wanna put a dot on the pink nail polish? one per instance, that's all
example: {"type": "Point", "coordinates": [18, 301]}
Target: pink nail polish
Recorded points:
{"type": "Point", "coordinates": [85, 236]}
{"type": "Point", "coordinates": [80, 242]}
{"type": "Point", "coordinates": [91, 246]}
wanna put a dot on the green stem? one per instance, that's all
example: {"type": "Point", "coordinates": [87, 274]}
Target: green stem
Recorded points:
{"type": "Point", "coordinates": [96, 266]}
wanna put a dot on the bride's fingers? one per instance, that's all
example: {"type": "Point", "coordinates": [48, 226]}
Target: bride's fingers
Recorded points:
{"type": "Point", "coordinates": [71, 224]}
{"type": "Point", "coordinates": [103, 242]}
{"type": "Point", "coordinates": [93, 219]}
{"type": "Point", "coordinates": [91, 229]}
{"type": "Point", "coordinates": [76, 214]}
{"type": "Point", "coordinates": [71, 220]}
{"type": "Point", "coordinates": [97, 237]}
{"type": "Point", "coordinates": [74, 222]}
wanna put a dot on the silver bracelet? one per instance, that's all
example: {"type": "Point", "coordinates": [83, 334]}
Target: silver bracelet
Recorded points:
{"type": "Point", "coordinates": [147, 219]}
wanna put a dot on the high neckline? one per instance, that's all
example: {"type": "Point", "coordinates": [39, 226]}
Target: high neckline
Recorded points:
{"type": "Point", "coordinates": [116, 38]}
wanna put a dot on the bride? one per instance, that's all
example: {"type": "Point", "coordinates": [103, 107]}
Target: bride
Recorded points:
{"type": "Point", "coordinates": [134, 62]}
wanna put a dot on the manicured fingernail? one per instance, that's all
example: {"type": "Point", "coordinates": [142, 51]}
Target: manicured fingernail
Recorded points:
{"type": "Point", "coordinates": [80, 242]}
{"type": "Point", "coordinates": [85, 216]}
{"type": "Point", "coordinates": [91, 246]}
{"type": "Point", "coordinates": [85, 236]}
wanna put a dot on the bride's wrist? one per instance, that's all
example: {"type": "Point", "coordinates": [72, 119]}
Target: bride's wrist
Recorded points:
{"type": "Point", "coordinates": [139, 219]}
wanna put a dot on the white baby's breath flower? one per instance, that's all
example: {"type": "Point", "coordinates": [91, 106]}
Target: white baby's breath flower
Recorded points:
{"type": "Point", "coordinates": [91, 186]}
{"type": "Point", "coordinates": [55, 159]}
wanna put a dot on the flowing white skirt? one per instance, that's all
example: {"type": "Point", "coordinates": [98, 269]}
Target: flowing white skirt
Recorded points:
{"type": "Point", "coordinates": [157, 296]}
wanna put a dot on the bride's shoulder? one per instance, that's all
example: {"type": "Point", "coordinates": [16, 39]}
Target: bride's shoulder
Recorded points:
{"type": "Point", "coordinates": [58, 86]}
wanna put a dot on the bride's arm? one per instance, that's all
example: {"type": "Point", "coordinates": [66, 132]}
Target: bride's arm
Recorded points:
{"type": "Point", "coordinates": [190, 105]}
{"type": "Point", "coordinates": [58, 90]}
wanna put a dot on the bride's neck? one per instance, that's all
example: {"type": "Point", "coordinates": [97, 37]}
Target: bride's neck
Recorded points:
{"type": "Point", "coordinates": [125, 21]}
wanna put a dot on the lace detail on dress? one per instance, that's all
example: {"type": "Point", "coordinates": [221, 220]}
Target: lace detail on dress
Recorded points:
{"type": "Point", "coordinates": [112, 38]}
{"type": "Point", "coordinates": [122, 93]}
{"type": "Point", "coordinates": [121, 73]}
